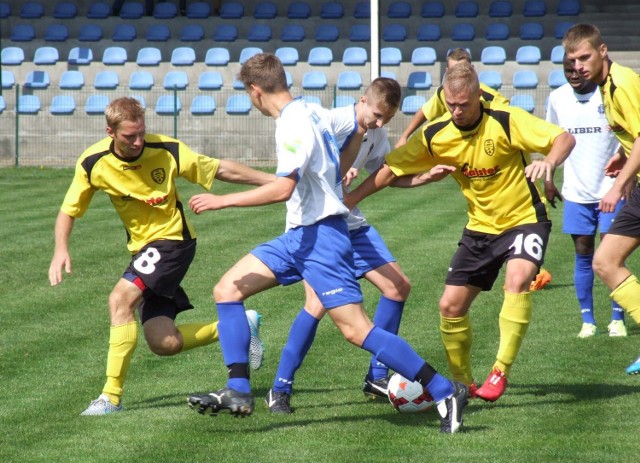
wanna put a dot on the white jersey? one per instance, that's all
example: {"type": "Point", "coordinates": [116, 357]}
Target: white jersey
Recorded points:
{"type": "Point", "coordinates": [583, 116]}
{"type": "Point", "coordinates": [305, 144]}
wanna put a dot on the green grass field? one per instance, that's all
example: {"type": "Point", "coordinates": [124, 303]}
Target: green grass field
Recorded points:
{"type": "Point", "coordinates": [569, 400]}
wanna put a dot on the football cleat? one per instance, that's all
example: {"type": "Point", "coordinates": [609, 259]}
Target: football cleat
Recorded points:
{"type": "Point", "coordinates": [376, 388]}
{"type": "Point", "coordinates": [278, 402]}
{"type": "Point", "coordinates": [634, 368]}
{"type": "Point", "coordinates": [542, 279]}
{"type": "Point", "coordinates": [235, 402]}
{"type": "Point", "coordinates": [617, 329]}
{"type": "Point", "coordinates": [256, 346]}
{"type": "Point", "coordinates": [493, 387]}
{"type": "Point", "coordinates": [450, 409]}
{"type": "Point", "coordinates": [102, 406]}
{"type": "Point", "coordinates": [588, 330]}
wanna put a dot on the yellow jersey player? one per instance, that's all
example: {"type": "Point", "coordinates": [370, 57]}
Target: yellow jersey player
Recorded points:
{"type": "Point", "coordinates": [484, 147]}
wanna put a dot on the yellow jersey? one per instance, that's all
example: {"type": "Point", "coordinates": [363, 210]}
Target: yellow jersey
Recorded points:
{"type": "Point", "coordinates": [436, 106]}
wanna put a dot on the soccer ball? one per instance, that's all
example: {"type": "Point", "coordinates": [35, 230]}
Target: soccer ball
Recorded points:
{"type": "Point", "coordinates": [408, 396]}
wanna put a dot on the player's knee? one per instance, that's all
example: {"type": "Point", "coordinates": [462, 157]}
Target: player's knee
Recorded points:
{"type": "Point", "coordinates": [399, 290]}
{"type": "Point", "coordinates": [165, 347]}
{"type": "Point", "coordinates": [225, 292]}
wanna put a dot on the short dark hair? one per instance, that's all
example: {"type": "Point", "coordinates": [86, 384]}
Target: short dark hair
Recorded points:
{"type": "Point", "coordinates": [386, 91]}
{"type": "Point", "coordinates": [264, 70]}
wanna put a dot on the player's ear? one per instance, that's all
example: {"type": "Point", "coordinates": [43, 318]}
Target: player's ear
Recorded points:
{"type": "Point", "coordinates": [603, 50]}
{"type": "Point", "coordinates": [111, 132]}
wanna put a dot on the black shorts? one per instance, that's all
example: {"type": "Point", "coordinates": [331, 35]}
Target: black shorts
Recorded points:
{"type": "Point", "coordinates": [480, 256]}
{"type": "Point", "coordinates": [627, 221]}
{"type": "Point", "coordinates": [158, 269]}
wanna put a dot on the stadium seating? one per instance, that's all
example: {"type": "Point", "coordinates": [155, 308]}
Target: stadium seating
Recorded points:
{"type": "Point", "coordinates": [432, 9]}
{"type": "Point", "coordinates": [56, 33]}
{"type": "Point", "coordinates": [362, 10]}
{"type": "Point", "coordinates": [90, 33]}
{"type": "Point", "coordinates": [320, 56]}
{"type": "Point", "coordinates": [237, 84]}
{"type": "Point", "coordinates": [568, 8]}
{"type": "Point", "coordinates": [349, 80]}
{"type": "Point", "coordinates": [3, 104]}
{"type": "Point", "coordinates": [198, 10]}
{"type": "Point", "coordinates": [62, 105]}
{"type": "Point", "coordinates": [265, 10]}
{"type": "Point", "coordinates": [343, 100]}
{"type": "Point", "coordinates": [525, 79]}
{"type": "Point", "coordinates": [312, 99]}
{"type": "Point", "coordinates": [292, 33]}
{"type": "Point", "coordinates": [354, 56]}
{"type": "Point", "coordinates": [12, 56]}
{"type": "Point", "coordinates": [158, 33]}
{"type": "Point", "coordinates": [165, 10]}
{"type": "Point", "coordinates": [28, 104]}
{"type": "Point", "coordinates": [71, 80]}
{"type": "Point", "coordinates": [191, 33]}
{"type": "Point", "coordinates": [5, 10]}
{"type": "Point", "coordinates": [327, 33]}
{"type": "Point", "coordinates": [175, 80]}
{"type": "Point", "coordinates": [217, 56]}
{"type": "Point", "coordinates": [46, 55]}
{"type": "Point", "coordinates": [183, 56]}
{"type": "Point", "coordinates": [124, 32]}
{"type": "Point", "coordinates": [394, 33]}
{"type": "Point", "coordinates": [412, 103]}
{"type": "Point", "coordinates": [141, 80]}
{"type": "Point", "coordinates": [23, 33]}
{"type": "Point", "coordinates": [491, 78]}
{"type": "Point", "coordinates": [331, 10]}
{"type": "Point", "coordinates": [525, 102]}
{"type": "Point", "coordinates": [429, 33]}
{"type": "Point", "coordinates": [8, 79]}
{"type": "Point", "coordinates": [419, 80]}
{"type": "Point", "coordinates": [168, 105]}
{"type": "Point", "coordinates": [225, 33]}
{"type": "Point", "coordinates": [99, 10]}
{"type": "Point", "coordinates": [423, 56]}
{"type": "Point", "coordinates": [463, 32]}
{"type": "Point", "coordinates": [210, 80]}
{"type": "Point", "coordinates": [80, 55]}
{"type": "Point", "coordinates": [360, 33]}
{"type": "Point", "coordinates": [247, 53]}
{"type": "Point", "coordinates": [390, 56]}
{"type": "Point", "coordinates": [31, 10]}
{"type": "Point", "coordinates": [203, 105]}
{"type": "Point", "coordinates": [528, 54]}
{"type": "Point", "coordinates": [149, 56]}
{"type": "Point", "coordinates": [65, 10]}
{"type": "Point", "coordinates": [231, 10]}
{"type": "Point", "coordinates": [557, 54]}
{"type": "Point", "coordinates": [298, 10]}
{"type": "Point", "coordinates": [288, 56]}
{"type": "Point", "coordinates": [37, 79]}
{"type": "Point", "coordinates": [289, 78]}
{"type": "Point", "coordinates": [259, 33]}
{"type": "Point", "coordinates": [560, 28]}
{"type": "Point", "coordinates": [493, 55]}
{"type": "Point", "coordinates": [556, 78]}
{"type": "Point", "coordinates": [466, 9]}
{"type": "Point", "coordinates": [500, 9]}
{"type": "Point", "coordinates": [114, 56]}
{"type": "Point", "coordinates": [106, 80]}
{"type": "Point", "coordinates": [314, 80]}
{"type": "Point", "coordinates": [96, 104]}
{"type": "Point", "coordinates": [531, 31]}
{"type": "Point", "coordinates": [497, 31]}
{"type": "Point", "coordinates": [238, 104]}
{"type": "Point", "coordinates": [132, 10]}
{"type": "Point", "coordinates": [399, 9]}
{"type": "Point", "coordinates": [534, 8]}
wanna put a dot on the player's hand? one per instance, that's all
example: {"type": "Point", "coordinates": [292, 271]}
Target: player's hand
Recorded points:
{"type": "Point", "coordinates": [539, 169]}
{"type": "Point", "coordinates": [551, 193]}
{"type": "Point", "coordinates": [60, 260]}
{"type": "Point", "coordinates": [440, 171]}
{"type": "Point", "coordinates": [615, 165]}
{"type": "Point", "coordinates": [351, 175]}
{"type": "Point", "coordinates": [205, 202]}
{"type": "Point", "coordinates": [401, 141]}
{"type": "Point", "coordinates": [610, 200]}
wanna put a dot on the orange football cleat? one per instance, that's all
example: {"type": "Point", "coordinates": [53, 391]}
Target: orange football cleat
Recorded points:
{"type": "Point", "coordinates": [543, 278]}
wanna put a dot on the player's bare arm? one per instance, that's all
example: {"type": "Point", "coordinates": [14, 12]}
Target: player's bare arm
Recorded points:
{"type": "Point", "coordinates": [235, 172]}
{"type": "Point", "coordinates": [417, 120]}
{"type": "Point", "coordinates": [435, 174]}
{"type": "Point", "coordinates": [381, 178]}
{"type": "Point", "coordinates": [624, 179]}
{"type": "Point", "coordinates": [544, 168]}
{"type": "Point", "coordinates": [616, 163]}
{"type": "Point", "coordinates": [61, 257]}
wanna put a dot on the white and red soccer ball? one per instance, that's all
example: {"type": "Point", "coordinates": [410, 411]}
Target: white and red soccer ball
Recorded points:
{"type": "Point", "coordinates": [408, 396]}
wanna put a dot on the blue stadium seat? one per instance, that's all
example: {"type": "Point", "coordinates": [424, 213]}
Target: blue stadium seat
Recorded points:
{"type": "Point", "coordinates": [433, 9]}
{"type": "Point", "coordinates": [80, 55]}
{"type": "Point", "coordinates": [31, 10]}
{"type": "Point", "coordinates": [231, 10]}
{"type": "Point", "coordinates": [423, 56]}
{"type": "Point", "coordinates": [412, 103]}
{"type": "Point", "coordinates": [23, 33]}
{"type": "Point", "coordinates": [259, 33]}
{"type": "Point", "coordinates": [531, 31]}
{"type": "Point", "coordinates": [349, 80]}
{"type": "Point", "coordinates": [158, 33]}
{"type": "Point", "coordinates": [237, 84]}
{"type": "Point", "coordinates": [28, 104]}
{"type": "Point", "coordinates": [71, 80]}
{"type": "Point", "coordinates": [362, 10]}
{"type": "Point", "coordinates": [354, 56]}
{"type": "Point", "coordinates": [390, 56]}
{"type": "Point", "coordinates": [3, 104]}
{"type": "Point", "coordinates": [114, 56]}
{"type": "Point", "coordinates": [12, 56]}
{"type": "Point", "coordinates": [500, 9]}
{"type": "Point", "coordinates": [149, 56]}
{"type": "Point", "coordinates": [466, 9]}
{"type": "Point", "coordinates": [525, 79]}
{"type": "Point", "coordinates": [298, 10]}
{"type": "Point", "coordinates": [96, 104]}
{"type": "Point", "coordinates": [99, 10]}
{"type": "Point", "coordinates": [388, 74]}
{"type": "Point", "coordinates": [8, 79]}
{"type": "Point", "coordinates": [203, 105]}
{"type": "Point", "coordinates": [191, 33]}
{"type": "Point", "coordinates": [429, 33]}
{"type": "Point", "coordinates": [492, 79]}
{"type": "Point", "coordinates": [534, 8]}
{"type": "Point", "coordinates": [320, 56]}
{"type": "Point", "coordinates": [198, 10]}
{"type": "Point", "coordinates": [343, 100]}
{"type": "Point", "coordinates": [557, 54]}
{"type": "Point", "coordinates": [399, 9]}
{"type": "Point", "coordinates": [90, 33]}
{"type": "Point", "coordinates": [312, 99]}
{"type": "Point", "coordinates": [556, 78]}
{"type": "Point", "coordinates": [419, 80]}
{"type": "Point", "coordinates": [210, 80]}
{"type": "Point", "coordinates": [106, 80]}
{"type": "Point", "coordinates": [141, 80]}
{"type": "Point", "coordinates": [331, 10]}
{"type": "Point", "coordinates": [394, 33]}
{"type": "Point", "coordinates": [265, 10]}
{"type": "Point", "coordinates": [493, 55]}
{"type": "Point", "coordinates": [46, 55]}
{"type": "Point", "coordinates": [141, 100]}
{"type": "Point", "coordinates": [56, 33]}
{"type": "Point", "coordinates": [183, 56]}
{"type": "Point", "coordinates": [463, 32]}
{"type": "Point", "coordinates": [65, 10]}
{"type": "Point", "coordinates": [314, 80]}
{"type": "Point", "coordinates": [5, 10]}
{"type": "Point", "coordinates": [132, 10]}
{"type": "Point", "coordinates": [528, 54]}
{"type": "Point", "coordinates": [238, 104]}
{"type": "Point", "coordinates": [175, 80]}
{"type": "Point", "coordinates": [124, 32]}
{"type": "Point", "coordinates": [247, 53]}
{"type": "Point", "coordinates": [63, 105]}
{"type": "Point", "coordinates": [292, 33]}
{"type": "Point", "coordinates": [497, 31]}
{"type": "Point", "coordinates": [168, 104]}
{"type": "Point", "coordinates": [568, 8]}
{"type": "Point", "coordinates": [289, 78]}
{"type": "Point", "coordinates": [165, 10]}
{"type": "Point", "coordinates": [525, 102]}
{"type": "Point", "coordinates": [561, 28]}
{"type": "Point", "coordinates": [37, 79]}
{"type": "Point", "coordinates": [225, 33]}
{"type": "Point", "coordinates": [217, 56]}
{"type": "Point", "coordinates": [327, 33]}
{"type": "Point", "coordinates": [360, 33]}
{"type": "Point", "coordinates": [288, 56]}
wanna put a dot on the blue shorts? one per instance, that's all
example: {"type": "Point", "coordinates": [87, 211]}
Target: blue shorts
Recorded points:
{"type": "Point", "coordinates": [586, 219]}
{"type": "Point", "coordinates": [369, 250]}
{"type": "Point", "coordinates": [321, 254]}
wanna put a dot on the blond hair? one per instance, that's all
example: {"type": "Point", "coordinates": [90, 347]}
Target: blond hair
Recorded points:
{"type": "Point", "coordinates": [578, 33]}
{"type": "Point", "coordinates": [121, 110]}
{"type": "Point", "coordinates": [461, 77]}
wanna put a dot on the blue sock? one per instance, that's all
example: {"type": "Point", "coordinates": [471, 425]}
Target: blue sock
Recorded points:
{"type": "Point", "coordinates": [301, 335]}
{"type": "Point", "coordinates": [387, 317]}
{"type": "Point", "coordinates": [235, 336]}
{"type": "Point", "coordinates": [394, 352]}
{"type": "Point", "coordinates": [583, 281]}
{"type": "Point", "coordinates": [617, 312]}
{"type": "Point", "coordinates": [439, 387]}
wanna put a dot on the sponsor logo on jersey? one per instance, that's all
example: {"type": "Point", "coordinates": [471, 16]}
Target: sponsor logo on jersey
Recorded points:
{"type": "Point", "coordinates": [601, 109]}
{"type": "Point", "coordinates": [156, 201]}
{"type": "Point", "coordinates": [158, 175]}
{"type": "Point", "coordinates": [583, 130]}
{"type": "Point", "coordinates": [489, 147]}
{"type": "Point", "coordinates": [138, 167]}
{"type": "Point", "coordinates": [474, 173]}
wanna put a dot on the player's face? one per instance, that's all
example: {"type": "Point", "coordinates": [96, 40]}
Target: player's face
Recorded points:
{"type": "Point", "coordinates": [128, 139]}
{"type": "Point", "coordinates": [373, 115]}
{"type": "Point", "coordinates": [464, 106]}
{"type": "Point", "coordinates": [588, 61]}
{"type": "Point", "coordinates": [576, 81]}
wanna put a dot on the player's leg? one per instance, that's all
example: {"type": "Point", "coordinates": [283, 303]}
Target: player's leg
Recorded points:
{"type": "Point", "coordinates": [583, 277]}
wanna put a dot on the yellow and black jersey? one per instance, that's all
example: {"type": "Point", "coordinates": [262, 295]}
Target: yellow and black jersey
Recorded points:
{"type": "Point", "coordinates": [490, 159]}
{"type": "Point", "coordinates": [142, 190]}
{"type": "Point", "coordinates": [621, 98]}
{"type": "Point", "coordinates": [436, 106]}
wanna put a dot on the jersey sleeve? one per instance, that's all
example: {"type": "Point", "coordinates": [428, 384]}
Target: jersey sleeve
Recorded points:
{"type": "Point", "coordinates": [375, 155]}
{"type": "Point", "coordinates": [80, 192]}
{"type": "Point", "coordinates": [551, 114]}
{"type": "Point", "coordinates": [530, 133]}
{"type": "Point", "coordinates": [411, 158]}
{"type": "Point", "coordinates": [627, 100]}
{"type": "Point", "coordinates": [197, 168]}
{"type": "Point", "coordinates": [434, 107]}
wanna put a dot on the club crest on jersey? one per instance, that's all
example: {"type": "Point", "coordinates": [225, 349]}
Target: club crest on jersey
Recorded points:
{"type": "Point", "coordinates": [489, 147]}
{"type": "Point", "coordinates": [158, 175]}
{"type": "Point", "coordinates": [601, 109]}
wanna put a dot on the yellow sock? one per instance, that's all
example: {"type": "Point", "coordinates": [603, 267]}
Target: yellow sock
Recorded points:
{"type": "Point", "coordinates": [514, 322]}
{"type": "Point", "coordinates": [122, 342]}
{"type": "Point", "coordinates": [198, 334]}
{"type": "Point", "coordinates": [457, 336]}
{"type": "Point", "coordinates": [627, 294]}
